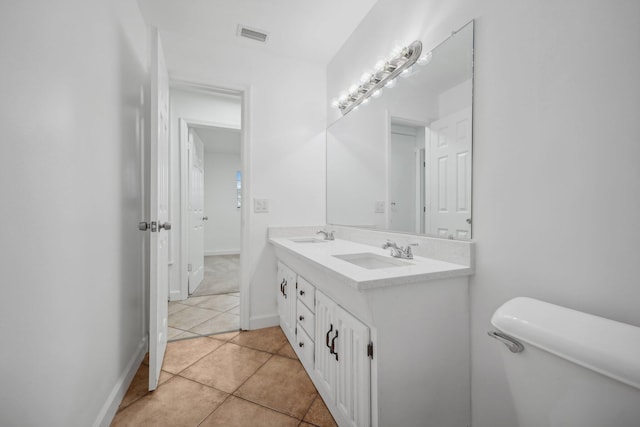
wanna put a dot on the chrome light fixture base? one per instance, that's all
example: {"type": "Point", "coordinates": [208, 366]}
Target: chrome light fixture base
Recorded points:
{"type": "Point", "coordinates": [378, 79]}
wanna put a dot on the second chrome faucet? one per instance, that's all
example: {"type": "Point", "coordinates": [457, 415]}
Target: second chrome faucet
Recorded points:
{"type": "Point", "coordinates": [399, 251]}
{"type": "Point", "coordinates": [328, 235]}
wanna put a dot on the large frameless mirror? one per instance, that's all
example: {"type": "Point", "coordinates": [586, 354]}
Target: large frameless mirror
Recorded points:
{"type": "Point", "coordinates": [402, 162]}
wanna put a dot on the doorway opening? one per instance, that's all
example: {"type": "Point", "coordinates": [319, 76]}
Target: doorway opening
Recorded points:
{"type": "Point", "coordinates": [206, 296]}
{"type": "Point", "coordinates": [406, 176]}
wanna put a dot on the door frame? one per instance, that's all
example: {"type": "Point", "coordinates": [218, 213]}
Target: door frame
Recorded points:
{"type": "Point", "coordinates": [412, 123]}
{"type": "Point", "coordinates": [244, 94]}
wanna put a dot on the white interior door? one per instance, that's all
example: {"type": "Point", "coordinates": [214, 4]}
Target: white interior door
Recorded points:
{"type": "Point", "coordinates": [159, 211]}
{"type": "Point", "coordinates": [402, 182]}
{"type": "Point", "coordinates": [196, 212]}
{"type": "Point", "coordinates": [449, 174]}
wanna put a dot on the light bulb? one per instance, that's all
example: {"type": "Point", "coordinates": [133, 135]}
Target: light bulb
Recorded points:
{"type": "Point", "coordinates": [334, 103]}
{"type": "Point", "coordinates": [425, 59]}
{"type": "Point", "coordinates": [397, 50]}
{"type": "Point", "coordinates": [390, 83]}
{"type": "Point", "coordinates": [379, 66]}
{"type": "Point", "coordinates": [407, 72]}
{"type": "Point", "coordinates": [353, 89]}
{"type": "Point", "coordinates": [365, 77]}
{"type": "Point", "coordinates": [365, 101]}
{"type": "Point", "coordinates": [343, 97]}
{"type": "Point", "coordinates": [377, 93]}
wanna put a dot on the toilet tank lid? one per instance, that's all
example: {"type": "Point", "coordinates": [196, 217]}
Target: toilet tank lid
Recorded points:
{"type": "Point", "coordinates": [602, 345]}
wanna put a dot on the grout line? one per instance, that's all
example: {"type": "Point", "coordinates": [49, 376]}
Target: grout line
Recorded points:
{"type": "Point", "coordinates": [187, 367]}
{"type": "Point", "coordinates": [309, 408]}
{"type": "Point", "coordinates": [266, 407]}
{"type": "Point", "coordinates": [229, 393]}
{"type": "Point", "coordinates": [251, 376]}
{"type": "Point", "coordinates": [258, 403]}
{"type": "Point", "coordinates": [217, 407]}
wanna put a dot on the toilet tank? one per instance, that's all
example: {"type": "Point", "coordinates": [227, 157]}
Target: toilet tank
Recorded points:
{"type": "Point", "coordinates": [574, 370]}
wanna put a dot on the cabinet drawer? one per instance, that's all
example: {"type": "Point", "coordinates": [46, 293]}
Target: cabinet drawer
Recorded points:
{"type": "Point", "coordinates": [306, 293]}
{"type": "Point", "coordinates": [304, 347]}
{"type": "Point", "coordinates": [306, 319]}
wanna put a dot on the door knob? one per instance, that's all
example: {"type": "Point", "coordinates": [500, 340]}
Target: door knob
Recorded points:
{"type": "Point", "coordinates": [166, 226]}
{"type": "Point", "coordinates": [205, 218]}
{"type": "Point", "coordinates": [143, 226]}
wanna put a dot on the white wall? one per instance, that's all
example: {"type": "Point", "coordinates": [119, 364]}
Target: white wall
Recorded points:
{"type": "Point", "coordinates": [191, 106]}
{"type": "Point", "coordinates": [72, 84]}
{"type": "Point", "coordinates": [556, 175]}
{"type": "Point", "coordinates": [285, 125]}
{"type": "Point", "coordinates": [357, 169]}
{"type": "Point", "coordinates": [222, 230]}
{"type": "Point", "coordinates": [455, 99]}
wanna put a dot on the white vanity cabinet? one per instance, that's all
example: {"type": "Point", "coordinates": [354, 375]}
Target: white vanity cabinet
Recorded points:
{"type": "Point", "coordinates": [413, 319]}
{"type": "Point", "coordinates": [342, 363]}
{"type": "Point", "coordinates": [287, 299]}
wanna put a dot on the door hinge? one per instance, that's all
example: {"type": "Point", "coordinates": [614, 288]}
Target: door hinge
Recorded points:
{"type": "Point", "coordinates": [189, 267]}
{"type": "Point", "coordinates": [370, 350]}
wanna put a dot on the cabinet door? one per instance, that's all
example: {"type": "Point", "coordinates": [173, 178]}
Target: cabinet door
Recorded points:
{"type": "Point", "coordinates": [325, 363]}
{"type": "Point", "coordinates": [353, 395]}
{"type": "Point", "coordinates": [286, 293]}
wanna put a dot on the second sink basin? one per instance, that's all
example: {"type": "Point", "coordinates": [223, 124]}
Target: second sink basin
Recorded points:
{"type": "Point", "coordinates": [372, 261]}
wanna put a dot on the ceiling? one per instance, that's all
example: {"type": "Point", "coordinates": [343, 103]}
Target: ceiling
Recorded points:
{"type": "Point", "coordinates": [302, 29]}
{"type": "Point", "coordinates": [219, 140]}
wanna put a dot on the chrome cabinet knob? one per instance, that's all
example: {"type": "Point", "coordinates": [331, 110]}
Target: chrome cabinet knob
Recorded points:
{"type": "Point", "coordinates": [143, 226]}
{"type": "Point", "coordinates": [301, 318]}
{"type": "Point", "coordinates": [166, 226]}
{"type": "Point", "coordinates": [301, 292]}
{"type": "Point", "coordinates": [205, 218]}
{"type": "Point", "coordinates": [301, 344]}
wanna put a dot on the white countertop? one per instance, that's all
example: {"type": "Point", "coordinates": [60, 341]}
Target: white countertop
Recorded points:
{"type": "Point", "coordinates": [420, 269]}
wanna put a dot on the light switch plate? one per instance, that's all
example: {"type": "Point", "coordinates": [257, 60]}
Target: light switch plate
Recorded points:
{"type": "Point", "coordinates": [380, 206]}
{"type": "Point", "coordinates": [261, 205]}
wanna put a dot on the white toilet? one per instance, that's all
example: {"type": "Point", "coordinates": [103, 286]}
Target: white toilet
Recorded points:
{"type": "Point", "coordinates": [567, 368]}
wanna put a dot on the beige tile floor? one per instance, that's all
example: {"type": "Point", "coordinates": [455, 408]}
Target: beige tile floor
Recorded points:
{"type": "Point", "coordinates": [236, 379]}
{"type": "Point", "coordinates": [204, 315]}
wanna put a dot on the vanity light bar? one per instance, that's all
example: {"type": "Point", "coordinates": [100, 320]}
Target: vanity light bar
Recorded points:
{"type": "Point", "coordinates": [383, 75]}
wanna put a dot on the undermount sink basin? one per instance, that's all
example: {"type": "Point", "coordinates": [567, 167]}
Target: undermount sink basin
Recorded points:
{"type": "Point", "coordinates": [372, 261]}
{"type": "Point", "coordinates": [308, 240]}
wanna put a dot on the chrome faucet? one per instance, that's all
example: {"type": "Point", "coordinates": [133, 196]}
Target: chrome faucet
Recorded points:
{"type": "Point", "coordinates": [399, 251]}
{"type": "Point", "coordinates": [328, 235]}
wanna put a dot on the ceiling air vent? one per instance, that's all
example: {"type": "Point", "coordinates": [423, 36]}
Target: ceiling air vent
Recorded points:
{"type": "Point", "coordinates": [252, 33]}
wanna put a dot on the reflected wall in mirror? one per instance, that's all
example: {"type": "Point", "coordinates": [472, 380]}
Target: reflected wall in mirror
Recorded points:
{"type": "Point", "coordinates": [402, 162]}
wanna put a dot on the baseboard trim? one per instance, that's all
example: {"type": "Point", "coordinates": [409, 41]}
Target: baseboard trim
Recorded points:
{"type": "Point", "coordinates": [175, 295]}
{"type": "Point", "coordinates": [259, 322]}
{"type": "Point", "coordinates": [226, 252]}
{"type": "Point", "coordinates": [110, 407]}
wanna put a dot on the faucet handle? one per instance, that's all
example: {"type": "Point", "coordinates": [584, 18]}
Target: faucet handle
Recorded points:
{"type": "Point", "coordinates": [408, 252]}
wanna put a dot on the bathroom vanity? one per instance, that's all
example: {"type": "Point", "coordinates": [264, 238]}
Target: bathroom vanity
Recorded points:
{"type": "Point", "coordinates": [385, 340]}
